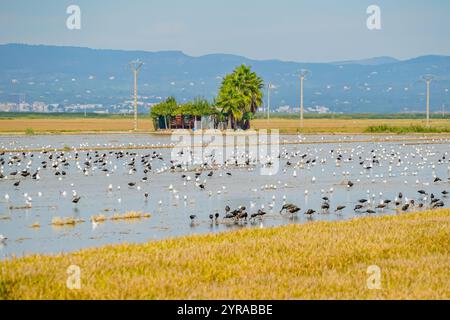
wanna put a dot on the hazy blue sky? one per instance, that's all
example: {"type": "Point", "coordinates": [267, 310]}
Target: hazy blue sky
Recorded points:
{"type": "Point", "coordinates": [298, 30]}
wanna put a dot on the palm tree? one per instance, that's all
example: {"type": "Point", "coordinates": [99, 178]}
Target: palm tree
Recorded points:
{"type": "Point", "coordinates": [240, 95]}
{"type": "Point", "coordinates": [231, 102]}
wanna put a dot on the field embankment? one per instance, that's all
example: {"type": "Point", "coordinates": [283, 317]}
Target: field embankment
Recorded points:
{"type": "Point", "coordinates": [320, 260]}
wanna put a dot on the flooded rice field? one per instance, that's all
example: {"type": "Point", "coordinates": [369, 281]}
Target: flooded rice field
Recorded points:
{"type": "Point", "coordinates": [48, 198]}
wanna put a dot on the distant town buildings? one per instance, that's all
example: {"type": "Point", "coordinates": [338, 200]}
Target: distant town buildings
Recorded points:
{"type": "Point", "coordinates": [41, 107]}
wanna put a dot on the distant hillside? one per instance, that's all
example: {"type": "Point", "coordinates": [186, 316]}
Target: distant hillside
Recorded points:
{"type": "Point", "coordinates": [55, 74]}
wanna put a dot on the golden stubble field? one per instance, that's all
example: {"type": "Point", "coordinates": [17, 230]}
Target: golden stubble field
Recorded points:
{"type": "Point", "coordinates": [317, 260]}
{"type": "Point", "coordinates": [72, 125]}
{"type": "Point", "coordinates": [339, 125]}
{"type": "Point", "coordinates": [77, 125]}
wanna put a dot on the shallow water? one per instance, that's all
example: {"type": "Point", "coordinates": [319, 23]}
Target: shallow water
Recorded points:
{"type": "Point", "coordinates": [417, 169]}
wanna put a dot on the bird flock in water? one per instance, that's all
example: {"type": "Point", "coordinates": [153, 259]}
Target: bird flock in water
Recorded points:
{"type": "Point", "coordinates": [19, 167]}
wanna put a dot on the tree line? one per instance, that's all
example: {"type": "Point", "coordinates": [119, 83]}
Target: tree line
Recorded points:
{"type": "Point", "coordinates": [239, 97]}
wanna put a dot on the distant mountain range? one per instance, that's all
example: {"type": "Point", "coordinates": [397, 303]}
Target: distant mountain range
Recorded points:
{"type": "Point", "coordinates": [55, 74]}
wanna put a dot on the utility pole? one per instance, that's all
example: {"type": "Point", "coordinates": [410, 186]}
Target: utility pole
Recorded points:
{"type": "Point", "coordinates": [269, 86]}
{"type": "Point", "coordinates": [135, 67]}
{"type": "Point", "coordinates": [428, 78]}
{"type": "Point", "coordinates": [303, 75]}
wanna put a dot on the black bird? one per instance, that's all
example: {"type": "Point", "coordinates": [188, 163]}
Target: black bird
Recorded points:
{"type": "Point", "coordinates": [310, 212]}
{"type": "Point", "coordinates": [350, 184]}
{"type": "Point", "coordinates": [76, 199]}
{"type": "Point", "coordinates": [358, 207]}
{"type": "Point", "coordinates": [445, 193]}
{"type": "Point", "coordinates": [288, 207]}
{"type": "Point", "coordinates": [405, 207]}
{"type": "Point", "coordinates": [437, 179]}
{"type": "Point", "coordinates": [24, 174]}
{"type": "Point", "coordinates": [400, 195]}
{"type": "Point", "coordinates": [227, 208]}
{"type": "Point", "coordinates": [216, 216]}
{"type": "Point", "coordinates": [294, 210]}
{"type": "Point", "coordinates": [192, 217]}
{"type": "Point", "coordinates": [211, 217]}
{"type": "Point", "coordinates": [439, 204]}
{"type": "Point", "coordinates": [16, 184]}
{"type": "Point", "coordinates": [370, 211]}
{"type": "Point", "coordinates": [253, 216]}
{"type": "Point", "coordinates": [362, 201]}
{"type": "Point", "coordinates": [434, 200]}
{"type": "Point", "coordinates": [242, 215]}
{"type": "Point", "coordinates": [339, 208]}
{"type": "Point", "coordinates": [228, 173]}
{"type": "Point", "coordinates": [131, 184]}
{"type": "Point", "coordinates": [422, 192]}
{"type": "Point", "coordinates": [260, 214]}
